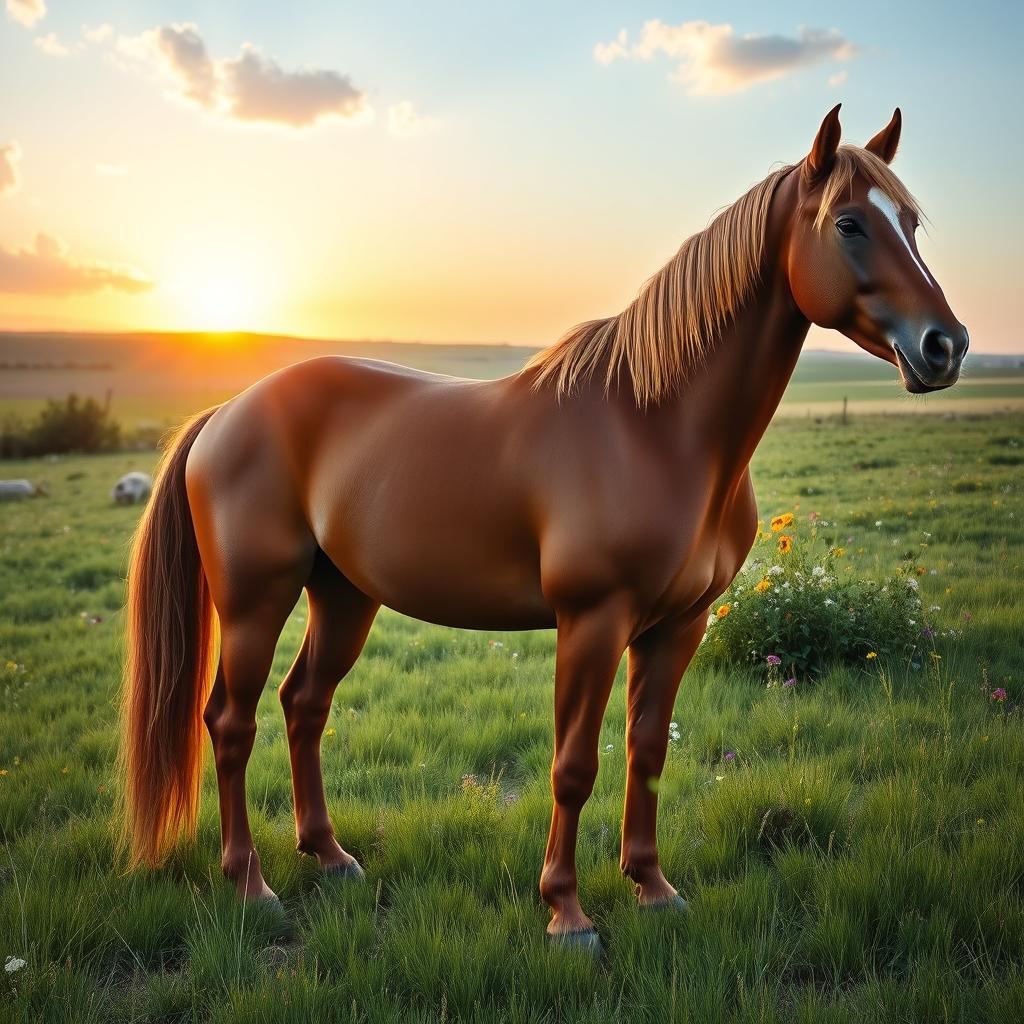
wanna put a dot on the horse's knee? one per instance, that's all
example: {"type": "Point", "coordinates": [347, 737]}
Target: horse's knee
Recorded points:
{"type": "Point", "coordinates": [233, 735]}
{"type": "Point", "coordinates": [572, 781]}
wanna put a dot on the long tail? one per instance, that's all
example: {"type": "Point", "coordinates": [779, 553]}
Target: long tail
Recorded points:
{"type": "Point", "coordinates": [168, 662]}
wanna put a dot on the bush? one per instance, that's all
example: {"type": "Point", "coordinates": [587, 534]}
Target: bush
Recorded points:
{"type": "Point", "coordinates": [795, 610]}
{"type": "Point", "coordinates": [68, 426]}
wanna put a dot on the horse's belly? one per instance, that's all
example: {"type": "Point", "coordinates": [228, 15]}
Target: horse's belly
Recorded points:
{"type": "Point", "coordinates": [464, 577]}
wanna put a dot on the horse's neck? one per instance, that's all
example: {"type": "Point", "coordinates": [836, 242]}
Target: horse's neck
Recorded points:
{"type": "Point", "coordinates": [729, 399]}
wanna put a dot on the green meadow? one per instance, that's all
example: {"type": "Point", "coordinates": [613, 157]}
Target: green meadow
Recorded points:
{"type": "Point", "coordinates": [851, 847]}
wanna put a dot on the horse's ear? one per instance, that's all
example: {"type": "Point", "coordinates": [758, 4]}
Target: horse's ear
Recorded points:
{"type": "Point", "coordinates": [823, 153]}
{"type": "Point", "coordinates": [886, 142]}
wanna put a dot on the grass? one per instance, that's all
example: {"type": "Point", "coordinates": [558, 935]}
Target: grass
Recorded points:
{"type": "Point", "coordinates": [860, 859]}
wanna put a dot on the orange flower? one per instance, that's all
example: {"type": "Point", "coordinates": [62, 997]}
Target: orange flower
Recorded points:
{"type": "Point", "coordinates": [723, 610]}
{"type": "Point", "coordinates": [785, 544]}
{"type": "Point", "coordinates": [781, 522]}
{"type": "Point", "coordinates": [763, 585]}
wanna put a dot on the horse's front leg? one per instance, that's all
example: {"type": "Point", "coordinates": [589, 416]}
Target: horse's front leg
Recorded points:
{"type": "Point", "coordinates": [590, 646]}
{"type": "Point", "coordinates": [657, 661]}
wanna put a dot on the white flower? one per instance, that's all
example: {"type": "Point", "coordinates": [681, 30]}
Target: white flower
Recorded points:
{"type": "Point", "coordinates": [934, 608]}
{"type": "Point", "coordinates": [912, 583]}
{"type": "Point", "coordinates": [818, 571]}
{"type": "Point", "coordinates": [775, 570]}
{"type": "Point", "coordinates": [829, 602]}
{"type": "Point", "coordinates": [610, 746]}
{"type": "Point", "coordinates": [878, 522]}
{"type": "Point", "coordinates": [13, 963]}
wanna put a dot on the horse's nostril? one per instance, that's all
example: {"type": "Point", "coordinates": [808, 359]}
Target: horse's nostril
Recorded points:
{"type": "Point", "coordinates": [937, 348]}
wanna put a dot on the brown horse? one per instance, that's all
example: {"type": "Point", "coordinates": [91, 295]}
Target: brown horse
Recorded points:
{"type": "Point", "coordinates": [604, 490]}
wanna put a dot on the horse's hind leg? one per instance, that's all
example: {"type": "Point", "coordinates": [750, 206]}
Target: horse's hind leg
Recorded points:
{"type": "Point", "coordinates": [249, 633]}
{"type": "Point", "coordinates": [340, 617]}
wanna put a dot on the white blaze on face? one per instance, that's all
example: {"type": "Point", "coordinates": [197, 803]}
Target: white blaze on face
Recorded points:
{"type": "Point", "coordinates": [891, 212]}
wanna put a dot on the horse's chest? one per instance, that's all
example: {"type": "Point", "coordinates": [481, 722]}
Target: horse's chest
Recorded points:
{"type": "Point", "coordinates": [706, 560]}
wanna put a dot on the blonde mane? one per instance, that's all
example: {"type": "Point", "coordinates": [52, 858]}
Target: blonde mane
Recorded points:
{"type": "Point", "coordinates": [682, 310]}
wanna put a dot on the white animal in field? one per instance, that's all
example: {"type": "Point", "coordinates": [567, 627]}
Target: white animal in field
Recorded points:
{"type": "Point", "coordinates": [132, 487]}
{"type": "Point", "coordinates": [15, 490]}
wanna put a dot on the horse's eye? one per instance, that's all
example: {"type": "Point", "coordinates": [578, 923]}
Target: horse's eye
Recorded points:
{"type": "Point", "coordinates": [848, 227]}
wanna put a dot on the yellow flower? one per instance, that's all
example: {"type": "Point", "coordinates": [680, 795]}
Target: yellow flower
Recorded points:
{"type": "Point", "coordinates": [723, 610]}
{"type": "Point", "coordinates": [12, 666]}
{"type": "Point", "coordinates": [763, 585]}
{"type": "Point", "coordinates": [785, 544]}
{"type": "Point", "coordinates": [781, 522]}
{"type": "Point", "coordinates": [65, 770]}
{"type": "Point", "coordinates": [935, 656]}
{"type": "Point", "coordinates": [837, 552]}
{"type": "Point", "coordinates": [3, 771]}
{"type": "Point", "coordinates": [330, 732]}
{"type": "Point", "coordinates": [871, 655]}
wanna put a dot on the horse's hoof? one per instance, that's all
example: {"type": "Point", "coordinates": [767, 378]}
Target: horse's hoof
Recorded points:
{"type": "Point", "coordinates": [672, 903]}
{"type": "Point", "coordinates": [585, 939]}
{"type": "Point", "coordinates": [350, 872]}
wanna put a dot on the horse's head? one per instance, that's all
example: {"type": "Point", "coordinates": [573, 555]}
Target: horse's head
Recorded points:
{"type": "Point", "coordinates": [853, 263]}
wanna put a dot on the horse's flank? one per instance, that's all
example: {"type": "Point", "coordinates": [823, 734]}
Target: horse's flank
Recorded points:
{"type": "Point", "coordinates": [683, 309]}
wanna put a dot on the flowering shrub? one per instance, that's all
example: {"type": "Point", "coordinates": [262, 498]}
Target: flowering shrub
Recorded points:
{"type": "Point", "coordinates": [794, 610]}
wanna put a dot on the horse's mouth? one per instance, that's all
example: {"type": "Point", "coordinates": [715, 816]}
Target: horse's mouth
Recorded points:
{"type": "Point", "coordinates": [913, 381]}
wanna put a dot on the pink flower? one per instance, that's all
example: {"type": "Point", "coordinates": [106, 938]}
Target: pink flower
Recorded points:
{"type": "Point", "coordinates": [790, 682]}
{"type": "Point", "coordinates": [812, 516]}
{"type": "Point", "coordinates": [999, 695]}
{"type": "Point", "coordinates": [968, 616]}
{"type": "Point", "coordinates": [773, 659]}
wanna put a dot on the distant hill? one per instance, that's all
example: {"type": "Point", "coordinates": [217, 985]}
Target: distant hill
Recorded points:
{"type": "Point", "coordinates": [159, 377]}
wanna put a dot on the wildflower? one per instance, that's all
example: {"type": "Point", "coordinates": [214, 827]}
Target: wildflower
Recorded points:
{"type": "Point", "coordinates": [718, 778]}
{"type": "Point", "coordinates": [330, 732]}
{"type": "Point", "coordinates": [763, 585]}
{"type": "Point", "coordinates": [878, 522]}
{"type": "Point", "coordinates": [773, 659]}
{"type": "Point", "coordinates": [3, 771]}
{"type": "Point", "coordinates": [730, 755]}
{"type": "Point", "coordinates": [13, 963]}
{"type": "Point", "coordinates": [781, 522]}
{"type": "Point", "coordinates": [935, 656]}
{"type": "Point", "coordinates": [12, 666]}
{"type": "Point", "coordinates": [812, 516]}
{"type": "Point", "coordinates": [912, 583]}
{"type": "Point", "coordinates": [999, 694]}
{"type": "Point", "coordinates": [818, 571]}
{"type": "Point", "coordinates": [65, 770]}
{"type": "Point", "coordinates": [609, 747]}
{"type": "Point", "coordinates": [790, 682]}
{"type": "Point", "coordinates": [723, 610]}
{"type": "Point", "coordinates": [928, 633]}
{"type": "Point", "coordinates": [871, 655]}
{"type": "Point", "coordinates": [921, 570]}
{"type": "Point", "coordinates": [980, 822]}
{"type": "Point", "coordinates": [785, 544]}
{"type": "Point", "coordinates": [968, 616]}
{"type": "Point", "coordinates": [837, 552]}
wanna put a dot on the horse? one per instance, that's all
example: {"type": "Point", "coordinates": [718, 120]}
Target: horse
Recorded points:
{"type": "Point", "coordinates": [603, 491]}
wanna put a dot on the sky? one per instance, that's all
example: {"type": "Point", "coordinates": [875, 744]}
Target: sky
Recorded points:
{"type": "Point", "coordinates": [466, 172]}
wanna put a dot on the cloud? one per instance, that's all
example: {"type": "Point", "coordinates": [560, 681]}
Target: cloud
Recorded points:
{"type": "Point", "coordinates": [257, 89]}
{"type": "Point", "coordinates": [404, 121]}
{"type": "Point", "coordinates": [838, 78]}
{"type": "Point", "coordinates": [250, 87]}
{"type": "Point", "coordinates": [10, 178]}
{"type": "Point", "coordinates": [46, 268]}
{"type": "Point", "coordinates": [26, 12]}
{"type": "Point", "coordinates": [51, 45]}
{"type": "Point", "coordinates": [713, 60]}
{"type": "Point", "coordinates": [97, 33]}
